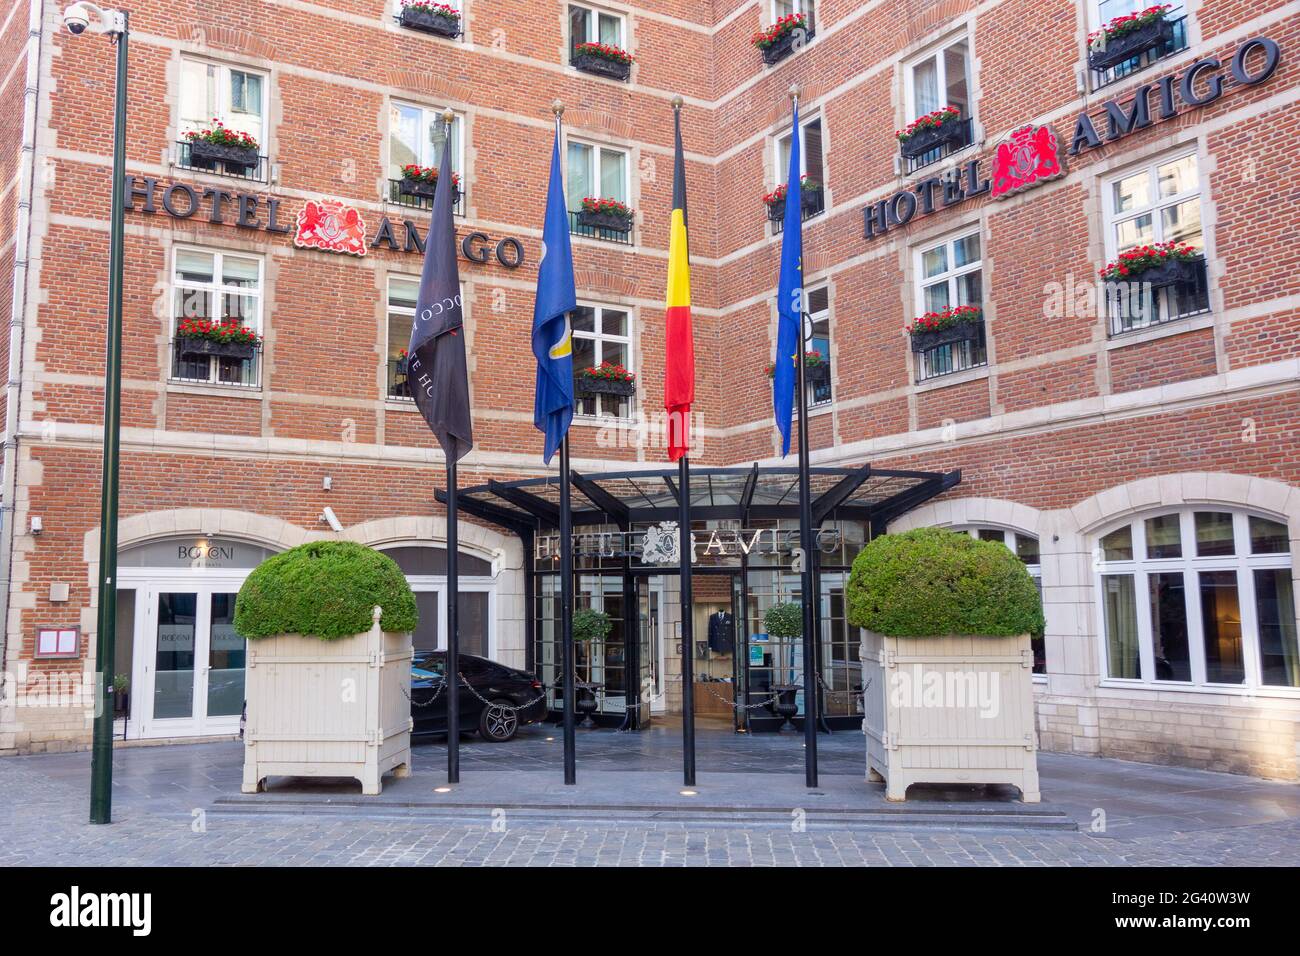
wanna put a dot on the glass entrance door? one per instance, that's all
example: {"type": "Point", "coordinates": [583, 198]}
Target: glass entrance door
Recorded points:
{"type": "Point", "coordinates": [193, 674]}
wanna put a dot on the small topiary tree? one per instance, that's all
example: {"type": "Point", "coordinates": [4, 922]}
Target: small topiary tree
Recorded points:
{"type": "Point", "coordinates": [324, 589]}
{"type": "Point", "coordinates": [591, 625]}
{"type": "Point", "coordinates": [784, 620]}
{"type": "Point", "coordinates": [931, 582]}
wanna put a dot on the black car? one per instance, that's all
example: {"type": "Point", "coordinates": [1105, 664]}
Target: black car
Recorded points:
{"type": "Point", "coordinates": [504, 688]}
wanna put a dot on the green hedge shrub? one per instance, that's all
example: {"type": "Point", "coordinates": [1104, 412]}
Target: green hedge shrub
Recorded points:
{"type": "Point", "coordinates": [784, 620]}
{"type": "Point", "coordinates": [324, 589]}
{"type": "Point", "coordinates": [931, 582]}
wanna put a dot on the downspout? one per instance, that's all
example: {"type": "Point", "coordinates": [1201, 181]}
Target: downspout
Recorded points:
{"type": "Point", "coordinates": [18, 316]}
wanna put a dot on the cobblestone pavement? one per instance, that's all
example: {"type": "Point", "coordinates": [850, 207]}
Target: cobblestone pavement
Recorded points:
{"type": "Point", "coordinates": [43, 809]}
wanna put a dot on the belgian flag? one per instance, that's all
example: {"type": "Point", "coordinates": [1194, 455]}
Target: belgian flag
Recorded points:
{"type": "Point", "coordinates": [679, 345]}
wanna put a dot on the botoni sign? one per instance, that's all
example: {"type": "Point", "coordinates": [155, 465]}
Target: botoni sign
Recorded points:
{"type": "Point", "coordinates": [1030, 156]}
{"type": "Point", "coordinates": [324, 225]}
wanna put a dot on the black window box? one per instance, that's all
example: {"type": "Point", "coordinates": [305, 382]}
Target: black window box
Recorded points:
{"type": "Point", "coordinates": [817, 375]}
{"type": "Point", "coordinates": [784, 46]}
{"type": "Point", "coordinates": [203, 153]}
{"type": "Point", "coordinates": [591, 385]}
{"type": "Point", "coordinates": [427, 22]}
{"type": "Point", "coordinates": [932, 137]}
{"type": "Point", "coordinates": [234, 350]}
{"type": "Point", "coordinates": [602, 66]}
{"type": "Point", "coordinates": [1131, 44]}
{"type": "Point", "coordinates": [423, 188]}
{"type": "Point", "coordinates": [612, 221]}
{"type": "Point", "coordinates": [961, 332]}
{"type": "Point", "coordinates": [810, 201]}
{"type": "Point", "coordinates": [1173, 272]}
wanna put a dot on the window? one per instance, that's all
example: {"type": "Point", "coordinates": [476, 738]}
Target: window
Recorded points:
{"type": "Point", "coordinates": [1024, 547]}
{"type": "Point", "coordinates": [938, 79]}
{"type": "Point", "coordinates": [221, 287]}
{"type": "Point", "coordinates": [415, 137]}
{"type": "Point", "coordinates": [602, 334]}
{"type": "Point", "coordinates": [819, 376]}
{"type": "Point", "coordinates": [784, 8]}
{"type": "Point", "coordinates": [950, 275]}
{"type": "Point", "coordinates": [594, 26]}
{"type": "Point", "coordinates": [599, 172]}
{"type": "Point", "coordinates": [1175, 38]}
{"type": "Point", "coordinates": [1157, 203]}
{"type": "Point", "coordinates": [235, 97]}
{"type": "Point", "coordinates": [402, 292]}
{"type": "Point", "coordinates": [1200, 596]}
{"type": "Point", "coordinates": [812, 165]}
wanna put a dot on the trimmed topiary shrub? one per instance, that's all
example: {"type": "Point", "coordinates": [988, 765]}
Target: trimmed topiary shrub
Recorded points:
{"type": "Point", "coordinates": [784, 620]}
{"type": "Point", "coordinates": [591, 625]}
{"type": "Point", "coordinates": [930, 582]}
{"type": "Point", "coordinates": [324, 589]}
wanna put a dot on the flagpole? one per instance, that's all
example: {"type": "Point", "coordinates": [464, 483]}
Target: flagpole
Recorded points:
{"type": "Point", "coordinates": [453, 577]}
{"type": "Point", "coordinates": [807, 578]}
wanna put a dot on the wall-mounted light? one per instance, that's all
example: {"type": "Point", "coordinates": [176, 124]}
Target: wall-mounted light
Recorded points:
{"type": "Point", "coordinates": [37, 525]}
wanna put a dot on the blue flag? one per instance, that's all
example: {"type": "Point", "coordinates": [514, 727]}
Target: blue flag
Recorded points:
{"type": "Point", "coordinates": [556, 297]}
{"type": "Point", "coordinates": [789, 297]}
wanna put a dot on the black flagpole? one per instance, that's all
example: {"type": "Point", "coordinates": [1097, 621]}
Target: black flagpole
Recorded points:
{"type": "Point", "coordinates": [566, 615]}
{"type": "Point", "coordinates": [807, 577]}
{"type": "Point", "coordinates": [453, 629]}
{"type": "Point", "coordinates": [688, 623]}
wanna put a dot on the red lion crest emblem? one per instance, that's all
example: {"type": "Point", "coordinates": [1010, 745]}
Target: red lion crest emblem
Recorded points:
{"type": "Point", "coordinates": [330, 226]}
{"type": "Point", "coordinates": [1026, 158]}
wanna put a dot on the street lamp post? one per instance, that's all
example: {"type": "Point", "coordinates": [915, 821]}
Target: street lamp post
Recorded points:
{"type": "Point", "coordinates": [79, 17]}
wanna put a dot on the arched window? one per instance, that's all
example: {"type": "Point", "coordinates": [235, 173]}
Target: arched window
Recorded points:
{"type": "Point", "coordinates": [1024, 547]}
{"type": "Point", "coordinates": [1199, 596]}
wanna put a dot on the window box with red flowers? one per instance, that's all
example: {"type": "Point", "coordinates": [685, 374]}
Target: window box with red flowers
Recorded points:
{"type": "Point", "coordinates": [423, 180]}
{"type": "Point", "coordinates": [810, 199]}
{"type": "Point", "coordinates": [943, 127]}
{"type": "Point", "coordinates": [436, 18]}
{"type": "Point", "coordinates": [608, 214]}
{"type": "Point", "coordinates": [219, 144]}
{"type": "Point", "coordinates": [1157, 266]}
{"type": "Point", "coordinates": [816, 369]}
{"type": "Point", "coordinates": [603, 60]}
{"type": "Point", "coordinates": [961, 323]}
{"type": "Point", "coordinates": [604, 379]}
{"type": "Point", "coordinates": [1133, 34]}
{"type": "Point", "coordinates": [229, 339]}
{"type": "Point", "coordinates": [402, 362]}
{"type": "Point", "coordinates": [783, 37]}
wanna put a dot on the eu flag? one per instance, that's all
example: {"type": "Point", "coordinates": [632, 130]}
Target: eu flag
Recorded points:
{"type": "Point", "coordinates": [436, 371]}
{"type": "Point", "coordinates": [789, 304]}
{"type": "Point", "coordinates": [552, 343]}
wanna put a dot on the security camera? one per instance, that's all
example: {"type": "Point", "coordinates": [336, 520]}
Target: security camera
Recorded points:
{"type": "Point", "coordinates": [330, 518]}
{"type": "Point", "coordinates": [76, 18]}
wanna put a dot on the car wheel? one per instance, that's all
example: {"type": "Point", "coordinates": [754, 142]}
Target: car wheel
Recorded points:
{"type": "Point", "coordinates": [499, 721]}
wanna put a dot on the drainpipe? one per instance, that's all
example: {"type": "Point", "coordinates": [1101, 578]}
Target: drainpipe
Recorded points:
{"type": "Point", "coordinates": [18, 315]}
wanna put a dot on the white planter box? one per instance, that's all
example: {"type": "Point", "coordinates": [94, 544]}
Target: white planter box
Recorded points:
{"type": "Point", "coordinates": [949, 710]}
{"type": "Point", "coordinates": [336, 708]}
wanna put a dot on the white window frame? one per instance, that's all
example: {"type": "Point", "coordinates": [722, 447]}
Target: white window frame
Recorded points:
{"type": "Point", "coordinates": [223, 109]}
{"type": "Point", "coordinates": [428, 113]}
{"type": "Point", "coordinates": [597, 149]}
{"type": "Point", "coordinates": [951, 275]}
{"type": "Point", "coordinates": [389, 311]}
{"type": "Point", "coordinates": [599, 338]}
{"type": "Point", "coordinates": [941, 71]}
{"type": "Point", "coordinates": [823, 315]}
{"type": "Point", "coordinates": [808, 7]}
{"type": "Point", "coordinates": [1179, 11]}
{"type": "Point", "coordinates": [593, 24]}
{"type": "Point", "coordinates": [781, 164]}
{"type": "Point", "coordinates": [214, 289]}
{"type": "Point", "coordinates": [1140, 568]}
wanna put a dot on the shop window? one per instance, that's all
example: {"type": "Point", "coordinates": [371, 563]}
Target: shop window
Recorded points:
{"type": "Point", "coordinates": [812, 171]}
{"type": "Point", "coordinates": [1202, 597]}
{"type": "Point", "coordinates": [211, 292]}
{"type": "Point", "coordinates": [950, 274]}
{"type": "Point", "coordinates": [601, 334]}
{"type": "Point", "coordinates": [1024, 547]}
{"type": "Point", "coordinates": [237, 98]}
{"type": "Point", "coordinates": [415, 139]}
{"type": "Point", "coordinates": [1158, 203]}
{"type": "Point", "coordinates": [938, 79]}
{"type": "Point", "coordinates": [596, 172]}
{"type": "Point", "coordinates": [1154, 43]}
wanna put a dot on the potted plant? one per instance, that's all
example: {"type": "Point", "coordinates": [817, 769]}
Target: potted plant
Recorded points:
{"type": "Point", "coordinates": [121, 695]}
{"type": "Point", "coordinates": [607, 378]}
{"type": "Point", "coordinates": [422, 181]}
{"type": "Point", "coordinates": [218, 144]}
{"type": "Point", "coordinates": [589, 625]}
{"type": "Point", "coordinates": [329, 665]}
{"type": "Point", "coordinates": [1127, 36]}
{"type": "Point", "coordinates": [785, 620]}
{"type": "Point", "coordinates": [225, 339]}
{"type": "Point", "coordinates": [436, 18]}
{"type": "Point", "coordinates": [402, 363]}
{"type": "Point", "coordinates": [930, 131]}
{"type": "Point", "coordinates": [961, 323]}
{"type": "Point", "coordinates": [946, 660]}
{"type": "Point", "coordinates": [810, 198]}
{"type": "Point", "coordinates": [781, 39]}
{"type": "Point", "coordinates": [603, 59]}
{"type": "Point", "coordinates": [611, 214]}
{"type": "Point", "coordinates": [1157, 265]}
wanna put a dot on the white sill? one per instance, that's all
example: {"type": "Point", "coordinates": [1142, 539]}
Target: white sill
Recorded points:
{"type": "Point", "coordinates": [1192, 323]}
{"type": "Point", "coordinates": [952, 378]}
{"type": "Point", "coordinates": [175, 387]}
{"type": "Point", "coordinates": [1184, 687]}
{"type": "Point", "coordinates": [400, 404]}
{"type": "Point", "coordinates": [603, 421]}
